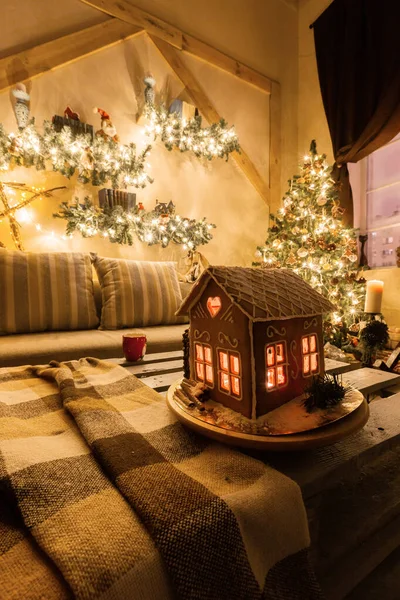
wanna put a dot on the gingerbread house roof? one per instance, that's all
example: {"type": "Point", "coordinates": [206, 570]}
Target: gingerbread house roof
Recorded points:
{"type": "Point", "coordinates": [262, 294]}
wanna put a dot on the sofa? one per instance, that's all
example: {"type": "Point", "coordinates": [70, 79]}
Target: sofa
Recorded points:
{"type": "Point", "coordinates": [42, 347]}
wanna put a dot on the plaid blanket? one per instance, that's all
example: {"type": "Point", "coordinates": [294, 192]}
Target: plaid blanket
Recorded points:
{"type": "Point", "coordinates": [103, 494]}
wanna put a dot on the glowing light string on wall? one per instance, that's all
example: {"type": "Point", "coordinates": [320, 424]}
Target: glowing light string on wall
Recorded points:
{"type": "Point", "coordinates": [187, 134]}
{"type": "Point", "coordinates": [96, 161]}
{"type": "Point", "coordinates": [120, 226]}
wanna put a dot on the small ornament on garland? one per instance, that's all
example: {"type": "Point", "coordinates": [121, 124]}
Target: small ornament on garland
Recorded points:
{"type": "Point", "coordinates": [302, 252]}
{"type": "Point", "coordinates": [70, 114]}
{"type": "Point", "coordinates": [107, 128]}
{"type": "Point", "coordinates": [71, 119]}
{"type": "Point", "coordinates": [120, 226]}
{"type": "Point", "coordinates": [149, 93]}
{"type": "Point", "coordinates": [21, 107]}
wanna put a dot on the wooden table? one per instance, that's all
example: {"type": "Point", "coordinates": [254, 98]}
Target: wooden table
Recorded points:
{"type": "Point", "coordinates": [351, 489]}
{"type": "Point", "coordinates": [336, 367]}
{"type": "Point", "coordinates": [370, 381]}
{"type": "Point", "coordinates": [158, 370]}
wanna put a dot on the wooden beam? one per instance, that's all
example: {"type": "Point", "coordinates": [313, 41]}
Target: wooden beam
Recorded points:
{"type": "Point", "coordinates": [124, 10]}
{"type": "Point", "coordinates": [275, 146]}
{"type": "Point", "coordinates": [226, 63]}
{"type": "Point", "coordinates": [205, 106]}
{"type": "Point", "coordinates": [35, 61]}
{"type": "Point", "coordinates": [158, 28]}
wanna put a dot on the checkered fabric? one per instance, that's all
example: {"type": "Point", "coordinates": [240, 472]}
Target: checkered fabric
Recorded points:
{"type": "Point", "coordinates": [103, 494]}
{"type": "Point", "coordinates": [262, 294]}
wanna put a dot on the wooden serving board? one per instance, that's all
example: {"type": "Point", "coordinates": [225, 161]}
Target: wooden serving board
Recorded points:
{"type": "Point", "coordinates": [324, 436]}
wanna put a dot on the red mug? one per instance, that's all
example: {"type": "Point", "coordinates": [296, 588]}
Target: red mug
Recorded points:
{"type": "Point", "coordinates": [134, 346]}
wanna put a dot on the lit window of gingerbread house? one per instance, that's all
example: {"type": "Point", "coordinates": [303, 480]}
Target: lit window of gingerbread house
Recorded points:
{"type": "Point", "coordinates": [255, 336]}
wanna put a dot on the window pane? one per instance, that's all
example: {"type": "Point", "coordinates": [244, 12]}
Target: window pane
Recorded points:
{"type": "Point", "coordinates": [235, 364]}
{"type": "Point", "coordinates": [305, 346]}
{"type": "Point", "coordinates": [383, 166]}
{"type": "Point", "coordinates": [207, 355]}
{"type": "Point", "coordinates": [209, 374]}
{"type": "Point", "coordinates": [281, 376]}
{"type": "Point", "coordinates": [224, 381]}
{"type": "Point", "coordinates": [313, 343]}
{"type": "Point", "coordinates": [200, 371]}
{"type": "Point", "coordinates": [270, 378]}
{"type": "Point", "coordinates": [280, 355]}
{"type": "Point", "coordinates": [381, 246]}
{"type": "Point", "coordinates": [306, 364]}
{"type": "Point", "coordinates": [235, 383]}
{"type": "Point", "coordinates": [383, 206]}
{"type": "Point", "coordinates": [314, 363]}
{"type": "Point", "coordinates": [223, 360]}
{"type": "Point", "coordinates": [199, 352]}
{"type": "Point", "coordinates": [270, 356]}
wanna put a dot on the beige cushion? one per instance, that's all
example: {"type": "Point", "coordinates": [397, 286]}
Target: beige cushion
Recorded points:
{"type": "Point", "coordinates": [45, 292]}
{"type": "Point", "coordinates": [137, 293]}
{"type": "Point", "coordinates": [41, 348]}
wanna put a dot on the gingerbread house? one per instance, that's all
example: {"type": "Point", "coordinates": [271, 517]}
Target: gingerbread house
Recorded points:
{"type": "Point", "coordinates": [255, 336]}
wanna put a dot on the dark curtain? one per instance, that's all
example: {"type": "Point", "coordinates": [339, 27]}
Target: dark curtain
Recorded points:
{"type": "Point", "coordinates": [357, 45]}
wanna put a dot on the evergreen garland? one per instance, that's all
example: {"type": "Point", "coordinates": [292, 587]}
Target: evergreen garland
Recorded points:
{"type": "Point", "coordinates": [218, 140]}
{"type": "Point", "coordinates": [96, 161]}
{"type": "Point", "coordinates": [120, 226]}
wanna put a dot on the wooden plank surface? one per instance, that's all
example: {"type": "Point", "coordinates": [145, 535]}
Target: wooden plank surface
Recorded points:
{"type": "Point", "coordinates": [323, 468]}
{"type": "Point", "coordinates": [193, 46]}
{"type": "Point", "coordinates": [150, 358]}
{"type": "Point", "coordinates": [369, 380]}
{"type": "Point", "coordinates": [35, 61]}
{"type": "Point", "coordinates": [127, 12]}
{"type": "Point", "coordinates": [155, 368]}
{"type": "Point", "coordinates": [275, 118]}
{"type": "Point", "coordinates": [207, 109]}
{"type": "Point", "coordinates": [124, 10]}
{"type": "Point", "coordinates": [161, 382]}
{"type": "Point", "coordinates": [336, 367]}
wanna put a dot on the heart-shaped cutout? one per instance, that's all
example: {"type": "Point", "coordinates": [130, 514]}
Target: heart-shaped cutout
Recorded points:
{"type": "Point", "coordinates": [214, 305]}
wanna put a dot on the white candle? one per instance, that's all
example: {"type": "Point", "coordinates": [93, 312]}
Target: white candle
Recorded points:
{"type": "Point", "coordinates": [373, 298]}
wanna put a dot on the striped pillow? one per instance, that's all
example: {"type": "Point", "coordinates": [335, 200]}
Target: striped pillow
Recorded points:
{"type": "Point", "coordinates": [137, 293]}
{"type": "Point", "coordinates": [45, 292]}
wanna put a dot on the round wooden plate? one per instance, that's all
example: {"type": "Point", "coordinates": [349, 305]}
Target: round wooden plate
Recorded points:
{"type": "Point", "coordinates": [323, 436]}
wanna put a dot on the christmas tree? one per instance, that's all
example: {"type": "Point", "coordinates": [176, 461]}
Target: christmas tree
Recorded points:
{"type": "Point", "coordinates": [308, 236]}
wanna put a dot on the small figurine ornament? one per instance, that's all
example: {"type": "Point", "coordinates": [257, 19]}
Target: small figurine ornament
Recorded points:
{"type": "Point", "coordinates": [21, 107]}
{"type": "Point", "coordinates": [107, 128]}
{"type": "Point", "coordinates": [149, 93]}
{"type": "Point", "coordinates": [70, 114]}
{"type": "Point", "coordinates": [196, 263]}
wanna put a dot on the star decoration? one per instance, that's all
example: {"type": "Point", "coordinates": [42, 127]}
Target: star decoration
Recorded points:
{"type": "Point", "coordinates": [28, 195]}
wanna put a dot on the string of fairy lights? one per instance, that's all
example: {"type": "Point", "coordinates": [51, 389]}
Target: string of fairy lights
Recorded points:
{"type": "Point", "coordinates": [100, 159]}
{"type": "Point", "coordinates": [188, 135]}
{"type": "Point", "coordinates": [158, 226]}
